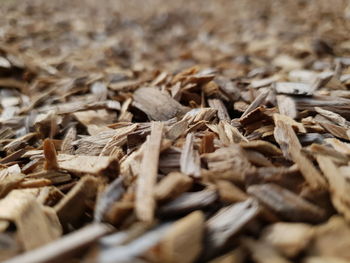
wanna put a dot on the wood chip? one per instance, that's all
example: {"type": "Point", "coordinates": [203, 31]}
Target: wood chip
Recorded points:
{"type": "Point", "coordinates": [287, 204]}
{"type": "Point", "coordinates": [34, 227]}
{"type": "Point", "coordinates": [183, 241]}
{"type": "Point", "coordinates": [288, 238]}
{"type": "Point", "coordinates": [145, 203]}
{"type": "Point", "coordinates": [189, 160]}
{"type": "Point", "coordinates": [172, 185]}
{"type": "Point", "coordinates": [228, 222]}
{"type": "Point", "coordinates": [157, 105]}
{"type": "Point", "coordinates": [291, 148]}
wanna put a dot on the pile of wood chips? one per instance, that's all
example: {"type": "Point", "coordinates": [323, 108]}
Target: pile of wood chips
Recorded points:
{"type": "Point", "coordinates": [193, 131]}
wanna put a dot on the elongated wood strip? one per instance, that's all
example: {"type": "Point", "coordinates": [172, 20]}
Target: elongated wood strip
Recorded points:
{"type": "Point", "coordinates": [68, 245]}
{"type": "Point", "coordinates": [145, 203]}
{"type": "Point", "coordinates": [291, 148]}
{"type": "Point", "coordinates": [189, 160]}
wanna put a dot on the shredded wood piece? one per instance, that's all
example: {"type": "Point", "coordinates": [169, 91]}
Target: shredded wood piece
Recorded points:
{"type": "Point", "coordinates": [183, 241]}
{"type": "Point", "coordinates": [263, 253]}
{"type": "Point", "coordinates": [287, 204]}
{"type": "Point", "coordinates": [291, 148]}
{"type": "Point", "coordinates": [227, 222]}
{"type": "Point", "coordinates": [338, 185]}
{"type": "Point", "coordinates": [35, 228]}
{"type": "Point", "coordinates": [93, 165]}
{"type": "Point", "coordinates": [50, 155]}
{"type": "Point", "coordinates": [172, 185]}
{"type": "Point", "coordinates": [288, 238]}
{"type": "Point", "coordinates": [189, 160]}
{"type": "Point", "coordinates": [72, 206]}
{"type": "Point", "coordinates": [157, 105]}
{"type": "Point", "coordinates": [145, 203]}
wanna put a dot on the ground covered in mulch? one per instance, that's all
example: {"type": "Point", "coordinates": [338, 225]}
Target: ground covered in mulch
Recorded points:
{"type": "Point", "coordinates": [175, 131]}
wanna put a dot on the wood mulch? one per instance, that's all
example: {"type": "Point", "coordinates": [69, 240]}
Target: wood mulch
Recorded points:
{"type": "Point", "coordinates": [175, 131]}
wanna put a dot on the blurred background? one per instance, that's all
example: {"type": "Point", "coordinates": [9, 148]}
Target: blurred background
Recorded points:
{"type": "Point", "coordinates": [173, 35]}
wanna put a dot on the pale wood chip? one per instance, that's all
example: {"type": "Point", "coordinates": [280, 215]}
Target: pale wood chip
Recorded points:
{"type": "Point", "coordinates": [172, 185]}
{"type": "Point", "coordinates": [334, 117]}
{"type": "Point", "coordinates": [10, 178]}
{"type": "Point", "coordinates": [235, 256]}
{"type": "Point", "coordinates": [157, 105]}
{"type": "Point", "coordinates": [332, 239]}
{"type": "Point", "coordinates": [323, 259]}
{"type": "Point", "coordinates": [294, 88]}
{"type": "Point", "coordinates": [183, 241]}
{"type": "Point", "coordinates": [65, 247]}
{"type": "Point", "coordinates": [34, 183]}
{"type": "Point", "coordinates": [264, 147]}
{"type": "Point", "coordinates": [118, 139]}
{"type": "Point", "coordinates": [67, 143]}
{"type": "Point", "coordinates": [229, 192]}
{"type": "Point", "coordinates": [329, 152]}
{"type": "Point", "coordinates": [33, 225]}
{"type": "Point", "coordinates": [287, 106]}
{"type": "Point", "coordinates": [257, 158]}
{"type": "Point", "coordinates": [288, 238]}
{"type": "Point", "coordinates": [291, 148]}
{"type": "Point", "coordinates": [145, 203]}
{"type": "Point", "coordinates": [336, 130]}
{"type": "Point", "coordinates": [284, 118]}
{"type": "Point", "coordinates": [177, 129]}
{"type": "Point", "coordinates": [339, 145]}
{"type": "Point", "coordinates": [94, 165]}
{"type": "Point", "coordinates": [199, 114]}
{"type": "Point", "coordinates": [229, 161]}
{"type": "Point", "coordinates": [263, 253]}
